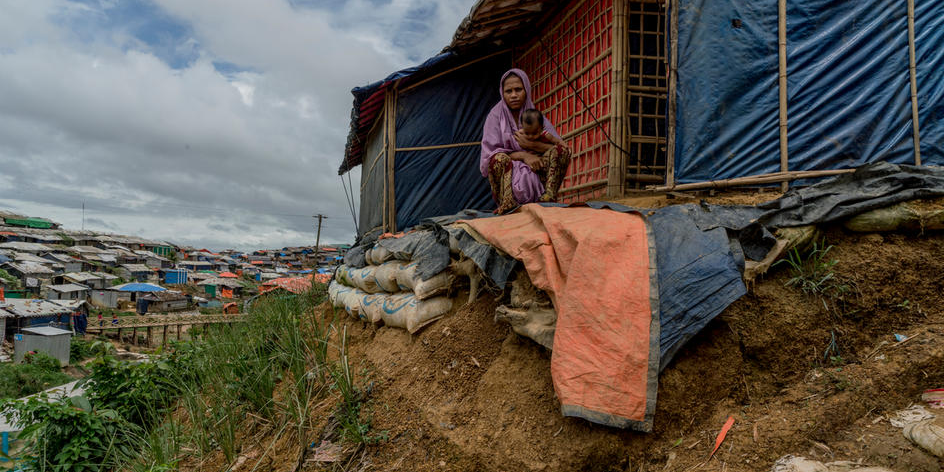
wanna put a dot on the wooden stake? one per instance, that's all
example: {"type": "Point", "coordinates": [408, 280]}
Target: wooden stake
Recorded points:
{"type": "Point", "coordinates": [755, 180]}
{"type": "Point", "coordinates": [134, 335]}
{"type": "Point", "coordinates": [912, 69]}
{"type": "Point", "coordinates": [164, 337]}
{"type": "Point", "coordinates": [148, 336]}
{"type": "Point", "coordinates": [178, 332]}
{"type": "Point", "coordinates": [673, 81]}
{"type": "Point", "coordinates": [782, 31]}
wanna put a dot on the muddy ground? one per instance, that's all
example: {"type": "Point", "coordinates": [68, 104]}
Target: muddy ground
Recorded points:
{"type": "Point", "coordinates": [801, 374]}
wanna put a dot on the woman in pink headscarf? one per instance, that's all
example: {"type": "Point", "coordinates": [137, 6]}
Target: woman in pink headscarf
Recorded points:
{"type": "Point", "coordinates": [519, 169]}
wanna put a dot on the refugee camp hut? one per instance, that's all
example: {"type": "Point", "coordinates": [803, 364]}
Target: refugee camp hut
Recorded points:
{"type": "Point", "coordinates": [31, 248]}
{"type": "Point", "coordinates": [162, 302]}
{"type": "Point", "coordinates": [89, 279]}
{"type": "Point", "coordinates": [41, 237]}
{"type": "Point", "coordinates": [137, 272]}
{"type": "Point", "coordinates": [28, 312]}
{"type": "Point", "coordinates": [222, 287]}
{"type": "Point", "coordinates": [67, 292]}
{"type": "Point", "coordinates": [30, 222]}
{"type": "Point", "coordinates": [153, 260]}
{"type": "Point", "coordinates": [174, 276]}
{"type": "Point", "coordinates": [195, 265]}
{"type": "Point", "coordinates": [103, 298]}
{"type": "Point", "coordinates": [30, 274]}
{"type": "Point", "coordinates": [52, 341]}
{"type": "Point", "coordinates": [762, 92]}
{"type": "Point", "coordinates": [69, 263]}
{"type": "Point", "coordinates": [9, 236]}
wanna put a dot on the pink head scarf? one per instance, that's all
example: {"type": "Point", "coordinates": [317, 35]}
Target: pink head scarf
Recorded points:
{"type": "Point", "coordinates": [498, 134]}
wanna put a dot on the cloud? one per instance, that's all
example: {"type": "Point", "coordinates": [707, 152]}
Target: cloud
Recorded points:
{"type": "Point", "coordinates": [213, 123]}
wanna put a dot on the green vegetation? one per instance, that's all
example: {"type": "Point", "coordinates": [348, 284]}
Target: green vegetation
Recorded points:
{"type": "Point", "coordinates": [81, 349]}
{"type": "Point", "coordinates": [813, 272]}
{"type": "Point", "coordinates": [71, 435]}
{"type": "Point", "coordinates": [66, 239]}
{"type": "Point", "coordinates": [11, 281]}
{"type": "Point", "coordinates": [192, 400]}
{"type": "Point", "coordinates": [37, 373]}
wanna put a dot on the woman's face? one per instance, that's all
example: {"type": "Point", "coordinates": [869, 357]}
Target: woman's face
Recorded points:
{"type": "Point", "coordinates": [513, 92]}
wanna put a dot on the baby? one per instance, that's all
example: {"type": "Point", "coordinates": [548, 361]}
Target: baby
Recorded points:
{"type": "Point", "coordinates": [532, 124]}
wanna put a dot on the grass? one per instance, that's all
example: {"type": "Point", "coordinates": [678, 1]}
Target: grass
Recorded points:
{"type": "Point", "coordinates": [194, 400]}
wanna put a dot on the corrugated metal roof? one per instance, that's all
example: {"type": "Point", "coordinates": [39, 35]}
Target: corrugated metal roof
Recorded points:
{"type": "Point", "coordinates": [30, 268]}
{"type": "Point", "coordinates": [82, 276]}
{"type": "Point", "coordinates": [46, 331]}
{"type": "Point", "coordinates": [30, 308]}
{"type": "Point", "coordinates": [136, 267]}
{"type": "Point", "coordinates": [27, 247]}
{"type": "Point", "coordinates": [65, 288]}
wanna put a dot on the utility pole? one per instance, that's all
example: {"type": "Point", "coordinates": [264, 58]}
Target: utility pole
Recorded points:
{"type": "Point", "coordinates": [83, 216]}
{"type": "Point", "coordinates": [318, 240]}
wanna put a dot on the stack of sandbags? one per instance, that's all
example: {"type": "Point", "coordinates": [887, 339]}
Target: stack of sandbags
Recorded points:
{"type": "Point", "coordinates": [391, 291]}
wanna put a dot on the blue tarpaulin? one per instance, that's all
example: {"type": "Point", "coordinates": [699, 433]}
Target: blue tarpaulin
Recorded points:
{"type": "Point", "coordinates": [848, 86]}
{"type": "Point", "coordinates": [449, 110]}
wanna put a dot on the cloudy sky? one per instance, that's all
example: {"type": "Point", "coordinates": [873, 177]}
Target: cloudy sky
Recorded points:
{"type": "Point", "coordinates": [213, 123]}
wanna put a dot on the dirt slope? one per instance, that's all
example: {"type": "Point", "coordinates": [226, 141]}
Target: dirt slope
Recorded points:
{"type": "Point", "coordinates": [467, 394]}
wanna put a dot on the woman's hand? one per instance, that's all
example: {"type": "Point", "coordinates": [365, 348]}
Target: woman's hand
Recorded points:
{"type": "Point", "coordinates": [529, 144]}
{"type": "Point", "coordinates": [533, 161]}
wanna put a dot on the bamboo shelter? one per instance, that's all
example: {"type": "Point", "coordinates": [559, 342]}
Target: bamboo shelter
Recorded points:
{"type": "Point", "coordinates": [659, 95]}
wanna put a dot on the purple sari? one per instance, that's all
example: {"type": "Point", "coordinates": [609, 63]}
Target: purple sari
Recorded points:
{"type": "Point", "coordinates": [498, 136]}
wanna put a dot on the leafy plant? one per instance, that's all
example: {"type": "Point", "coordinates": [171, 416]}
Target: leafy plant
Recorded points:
{"type": "Point", "coordinates": [138, 392]}
{"type": "Point", "coordinates": [69, 435]}
{"type": "Point", "coordinates": [39, 372]}
{"type": "Point", "coordinates": [11, 281]}
{"type": "Point", "coordinates": [813, 272]}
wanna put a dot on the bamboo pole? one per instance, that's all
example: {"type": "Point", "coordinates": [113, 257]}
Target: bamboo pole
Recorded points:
{"type": "Point", "coordinates": [583, 70]}
{"type": "Point", "coordinates": [782, 42]}
{"type": "Point", "coordinates": [673, 83]}
{"type": "Point", "coordinates": [585, 127]}
{"type": "Point", "coordinates": [391, 133]}
{"type": "Point", "coordinates": [459, 67]}
{"type": "Point", "coordinates": [616, 169]}
{"type": "Point", "coordinates": [164, 337]}
{"type": "Point", "coordinates": [912, 69]}
{"type": "Point", "coordinates": [439, 146]}
{"type": "Point", "coordinates": [754, 180]}
{"type": "Point", "coordinates": [148, 336]}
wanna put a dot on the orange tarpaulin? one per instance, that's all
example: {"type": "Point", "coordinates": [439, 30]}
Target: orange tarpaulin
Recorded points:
{"type": "Point", "coordinates": [227, 275]}
{"type": "Point", "coordinates": [598, 268]}
{"type": "Point", "coordinates": [226, 292]}
{"type": "Point", "coordinates": [292, 284]}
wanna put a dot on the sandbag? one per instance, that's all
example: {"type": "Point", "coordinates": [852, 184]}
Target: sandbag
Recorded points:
{"type": "Point", "coordinates": [364, 279]}
{"type": "Point", "coordinates": [350, 300]}
{"type": "Point", "coordinates": [437, 285]}
{"type": "Point", "coordinates": [406, 276]}
{"type": "Point", "coordinates": [377, 255]}
{"type": "Point", "coordinates": [408, 279]}
{"type": "Point", "coordinates": [404, 310]}
{"type": "Point", "coordinates": [343, 276]}
{"type": "Point", "coordinates": [909, 216]}
{"type": "Point", "coordinates": [333, 289]}
{"type": "Point", "coordinates": [372, 307]}
{"type": "Point", "coordinates": [386, 276]}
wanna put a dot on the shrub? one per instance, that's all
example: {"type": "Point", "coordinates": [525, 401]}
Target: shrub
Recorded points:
{"type": "Point", "coordinates": [68, 435]}
{"type": "Point", "coordinates": [38, 372]}
{"type": "Point", "coordinates": [138, 392]}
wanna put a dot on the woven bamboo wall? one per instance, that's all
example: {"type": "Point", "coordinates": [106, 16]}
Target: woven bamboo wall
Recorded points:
{"type": "Point", "coordinates": [569, 65]}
